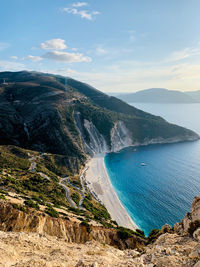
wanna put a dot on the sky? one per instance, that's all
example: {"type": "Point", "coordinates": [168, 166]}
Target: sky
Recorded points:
{"type": "Point", "coordinates": [114, 45]}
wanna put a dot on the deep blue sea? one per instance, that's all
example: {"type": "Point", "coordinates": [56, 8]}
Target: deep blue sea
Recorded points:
{"type": "Point", "coordinates": [163, 190]}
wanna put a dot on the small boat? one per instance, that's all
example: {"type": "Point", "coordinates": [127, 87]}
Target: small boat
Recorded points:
{"type": "Point", "coordinates": [135, 150]}
{"type": "Point", "coordinates": [143, 164]}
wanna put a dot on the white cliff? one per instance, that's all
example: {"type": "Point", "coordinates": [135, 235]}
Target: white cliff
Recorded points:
{"type": "Point", "coordinates": [97, 141]}
{"type": "Point", "coordinates": [120, 137]}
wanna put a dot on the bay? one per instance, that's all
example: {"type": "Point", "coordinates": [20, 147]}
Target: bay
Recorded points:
{"type": "Point", "coordinates": [162, 191]}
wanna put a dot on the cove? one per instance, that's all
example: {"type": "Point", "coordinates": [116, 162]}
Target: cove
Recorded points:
{"type": "Point", "coordinates": [162, 191]}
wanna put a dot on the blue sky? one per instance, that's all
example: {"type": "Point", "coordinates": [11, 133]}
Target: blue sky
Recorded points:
{"type": "Point", "coordinates": [114, 45]}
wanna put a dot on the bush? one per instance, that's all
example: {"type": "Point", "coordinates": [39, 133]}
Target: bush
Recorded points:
{"type": "Point", "coordinates": [18, 207]}
{"type": "Point", "coordinates": [39, 200]}
{"type": "Point", "coordinates": [89, 197]}
{"type": "Point", "coordinates": [2, 197]}
{"type": "Point", "coordinates": [153, 235]}
{"type": "Point", "coordinates": [107, 225]}
{"type": "Point", "coordinates": [140, 233]}
{"type": "Point", "coordinates": [31, 204]}
{"type": "Point", "coordinates": [52, 212]}
{"type": "Point", "coordinates": [124, 233]}
{"type": "Point", "coordinates": [76, 198]}
{"type": "Point", "coordinates": [99, 213]}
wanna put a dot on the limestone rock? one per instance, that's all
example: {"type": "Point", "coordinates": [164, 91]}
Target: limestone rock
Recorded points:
{"type": "Point", "coordinates": [178, 228]}
{"type": "Point", "coordinates": [166, 229]}
{"type": "Point", "coordinates": [197, 264]}
{"type": "Point", "coordinates": [193, 215]}
{"type": "Point", "coordinates": [80, 264]}
{"type": "Point", "coordinates": [196, 234]}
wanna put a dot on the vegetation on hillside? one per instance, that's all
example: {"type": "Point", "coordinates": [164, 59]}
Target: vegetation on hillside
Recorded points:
{"type": "Point", "coordinates": [36, 190]}
{"type": "Point", "coordinates": [37, 113]}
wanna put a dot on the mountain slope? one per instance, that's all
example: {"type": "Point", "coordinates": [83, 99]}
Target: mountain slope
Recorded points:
{"type": "Point", "coordinates": [158, 95]}
{"type": "Point", "coordinates": [59, 115]}
{"type": "Point", "coordinates": [195, 95]}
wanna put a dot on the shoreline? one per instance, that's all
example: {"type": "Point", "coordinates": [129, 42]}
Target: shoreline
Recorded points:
{"type": "Point", "coordinates": [99, 182]}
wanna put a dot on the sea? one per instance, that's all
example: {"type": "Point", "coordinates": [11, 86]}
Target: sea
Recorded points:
{"type": "Point", "coordinates": [162, 189]}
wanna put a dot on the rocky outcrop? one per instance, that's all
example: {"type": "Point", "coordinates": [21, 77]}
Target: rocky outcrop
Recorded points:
{"type": "Point", "coordinates": [120, 137]}
{"type": "Point", "coordinates": [39, 247]}
{"type": "Point", "coordinates": [191, 221]}
{"type": "Point", "coordinates": [12, 219]}
{"type": "Point", "coordinates": [34, 250]}
{"type": "Point", "coordinates": [178, 248]}
{"type": "Point", "coordinates": [97, 142]}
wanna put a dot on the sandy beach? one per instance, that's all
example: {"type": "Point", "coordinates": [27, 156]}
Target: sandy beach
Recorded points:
{"type": "Point", "coordinates": [99, 182]}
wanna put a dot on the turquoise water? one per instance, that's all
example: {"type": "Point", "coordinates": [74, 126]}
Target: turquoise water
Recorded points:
{"type": "Point", "coordinates": [162, 191]}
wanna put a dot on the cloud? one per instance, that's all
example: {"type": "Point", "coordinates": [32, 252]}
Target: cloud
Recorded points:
{"type": "Point", "coordinates": [11, 66]}
{"type": "Point", "coordinates": [66, 57]}
{"type": "Point", "coordinates": [58, 44]}
{"type": "Point", "coordinates": [141, 75]}
{"type": "Point", "coordinates": [4, 46]}
{"type": "Point", "coordinates": [14, 57]}
{"type": "Point", "coordinates": [100, 51]}
{"type": "Point", "coordinates": [80, 4]}
{"type": "Point", "coordinates": [184, 53]}
{"type": "Point", "coordinates": [85, 14]}
{"type": "Point", "coordinates": [34, 58]}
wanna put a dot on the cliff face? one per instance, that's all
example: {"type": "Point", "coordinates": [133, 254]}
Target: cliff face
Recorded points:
{"type": "Point", "coordinates": [120, 137]}
{"type": "Point", "coordinates": [59, 115]}
{"type": "Point", "coordinates": [12, 219]}
{"type": "Point", "coordinates": [172, 249]}
{"type": "Point", "coordinates": [191, 221]}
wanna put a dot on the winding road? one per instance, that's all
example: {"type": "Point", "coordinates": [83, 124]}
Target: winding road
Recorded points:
{"type": "Point", "coordinates": [32, 168]}
{"type": "Point", "coordinates": [67, 192]}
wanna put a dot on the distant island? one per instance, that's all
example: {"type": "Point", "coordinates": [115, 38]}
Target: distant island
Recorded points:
{"type": "Point", "coordinates": [160, 95]}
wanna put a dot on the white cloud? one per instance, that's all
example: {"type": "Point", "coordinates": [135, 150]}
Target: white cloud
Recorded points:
{"type": "Point", "coordinates": [67, 57]}
{"type": "Point", "coordinates": [11, 66]}
{"type": "Point", "coordinates": [4, 46]}
{"type": "Point", "coordinates": [85, 14]}
{"type": "Point", "coordinates": [100, 51]}
{"type": "Point", "coordinates": [14, 57]}
{"type": "Point", "coordinates": [80, 4]}
{"type": "Point", "coordinates": [141, 75]}
{"type": "Point", "coordinates": [58, 44]}
{"type": "Point", "coordinates": [34, 58]}
{"type": "Point", "coordinates": [184, 53]}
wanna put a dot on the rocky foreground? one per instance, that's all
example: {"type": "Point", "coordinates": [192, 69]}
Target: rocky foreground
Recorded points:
{"type": "Point", "coordinates": [177, 247]}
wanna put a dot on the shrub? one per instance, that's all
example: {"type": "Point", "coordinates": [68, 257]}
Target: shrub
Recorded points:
{"type": "Point", "coordinates": [38, 199]}
{"type": "Point", "coordinates": [76, 198]}
{"type": "Point", "coordinates": [89, 197]}
{"type": "Point", "coordinates": [153, 235]}
{"type": "Point", "coordinates": [140, 233]}
{"type": "Point", "coordinates": [124, 233]}
{"type": "Point", "coordinates": [52, 212]}
{"type": "Point", "coordinates": [31, 204]}
{"type": "Point", "coordinates": [2, 197]}
{"type": "Point", "coordinates": [99, 213]}
{"type": "Point", "coordinates": [19, 207]}
{"type": "Point", "coordinates": [106, 225]}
